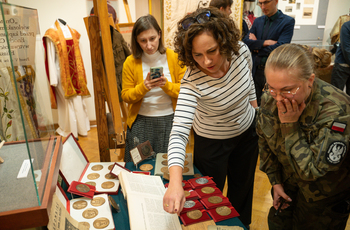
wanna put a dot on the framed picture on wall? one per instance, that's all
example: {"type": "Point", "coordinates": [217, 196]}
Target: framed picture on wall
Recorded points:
{"type": "Point", "coordinates": [126, 30]}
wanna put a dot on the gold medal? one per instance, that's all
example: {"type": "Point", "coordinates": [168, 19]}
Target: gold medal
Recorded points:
{"type": "Point", "coordinates": [186, 169]}
{"type": "Point", "coordinates": [96, 167]}
{"type": "Point", "coordinates": [85, 224]}
{"type": "Point", "coordinates": [207, 190]}
{"type": "Point", "coordinates": [187, 193]}
{"type": "Point", "coordinates": [82, 188]}
{"type": "Point", "coordinates": [80, 204]}
{"type": "Point", "coordinates": [93, 176]}
{"type": "Point", "coordinates": [194, 215]}
{"type": "Point", "coordinates": [91, 183]}
{"type": "Point", "coordinates": [107, 185]}
{"type": "Point", "coordinates": [186, 163]}
{"type": "Point", "coordinates": [110, 167]}
{"type": "Point", "coordinates": [165, 156]}
{"type": "Point", "coordinates": [101, 223]}
{"type": "Point", "coordinates": [215, 199]}
{"type": "Point", "coordinates": [97, 201]}
{"type": "Point", "coordinates": [90, 213]}
{"type": "Point", "coordinates": [197, 175]}
{"type": "Point", "coordinates": [110, 176]}
{"type": "Point", "coordinates": [164, 170]}
{"type": "Point", "coordinates": [223, 211]}
{"type": "Point", "coordinates": [165, 162]}
{"type": "Point", "coordinates": [146, 167]}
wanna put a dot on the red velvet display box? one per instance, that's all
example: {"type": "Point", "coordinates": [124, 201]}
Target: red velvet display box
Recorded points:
{"type": "Point", "coordinates": [76, 167]}
{"type": "Point", "coordinates": [187, 221]}
{"type": "Point", "coordinates": [202, 195]}
{"type": "Point", "coordinates": [192, 205]}
{"type": "Point", "coordinates": [209, 205]}
{"type": "Point", "coordinates": [193, 195]}
{"type": "Point", "coordinates": [73, 189]}
{"type": "Point", "coordinates": [103, 210]}
{"type": "Point", "coordinates": [198, 182]}
{"type": "Point", "coordinates": [216, 217]}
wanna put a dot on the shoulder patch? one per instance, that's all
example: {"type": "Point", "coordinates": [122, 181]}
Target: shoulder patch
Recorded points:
{"type": "Point", "coordinates": [336, 152]}
{"type": "Point", "coordinates": [338, 126]}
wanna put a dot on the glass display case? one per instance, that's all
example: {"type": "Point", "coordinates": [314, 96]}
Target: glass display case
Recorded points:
{"type": "Point", "coordinates": [31, 152]}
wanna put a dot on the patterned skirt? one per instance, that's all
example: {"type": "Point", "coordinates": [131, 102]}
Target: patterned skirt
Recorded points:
{"type": "Point", "coordinates": [154, 129]}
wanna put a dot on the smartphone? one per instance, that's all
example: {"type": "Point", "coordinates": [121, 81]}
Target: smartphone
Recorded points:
{"type": "Point", "coordinates": [156, 72]}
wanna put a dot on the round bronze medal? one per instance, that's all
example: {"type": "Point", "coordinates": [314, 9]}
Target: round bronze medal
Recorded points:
{"type": "Point", "coordinates": [90, 213]}
{"type": "Point", "coordinates": [186, 163]}
{"type": "Point", "coordinates": [97, 201]}
{"type": "Point", "coordinates": [186, 169]}
{"type": "Point", "coordinates": [165, 162]}
{"type": "Point", "coordinates": [85, 224]}
{"type": "Point", "coordinates": [164, 170]}
{"type": "Point", "coordinates": [107, 185]}
{"type": "Point", "coordinates": [223, 211]}
{"type": "Point", "coordinates": [189, 204]}
{"type": "Point", "coordinates": [91, 183]}
{"type": "Point", "coordinates": [110, 167]}
{"type": "Point", "coordinates": [202, 181]}
{"type": "Point", "coordinates": [82, 188]}
{"type": "Point", "coordinates": [194, 215]}
{"type": "Point", "coordinates": [101, 223]}
{"type": "Point", "coordinates": [207, 190]}
{"type": "Point", "coordinates": [215, 199]}
{"type": "Point", "coordinates": [187, 193]}
{"type": "Point", "coordinates": [80, 204]}
{"type": "Point", "coordinates": [146, 167]}
{"type": "Point", "coordinates": [146, 150]}
{"type": "Point", "coordinates": [110, 176]}
{"type": "Point", "coordinates": [165, 156]}
{"type": "Point", "coordinates": [97, 167]}
{"type": "Point", "coordinates": [196, 175]}
{"type": "Point", "coordinates": [93, 176]}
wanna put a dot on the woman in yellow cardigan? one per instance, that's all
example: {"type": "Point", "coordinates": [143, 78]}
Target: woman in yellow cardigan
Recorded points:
{"type": "Point", "coordinates": [151, 102]}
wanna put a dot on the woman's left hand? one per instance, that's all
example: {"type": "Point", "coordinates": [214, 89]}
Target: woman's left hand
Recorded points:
{"type": "Point", "coordinates": [289, 111]}
{"type": "Point", "coordinates": [161, 81]}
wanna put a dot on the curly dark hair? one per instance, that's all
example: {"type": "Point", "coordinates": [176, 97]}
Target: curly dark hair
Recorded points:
{"type": "Point", "coordinates": [219, 25]}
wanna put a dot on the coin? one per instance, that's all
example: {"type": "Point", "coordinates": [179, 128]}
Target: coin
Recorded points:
{"type": "Point", "coordinates": [202, 181]}
{"type": "Point", "coordinates": [82, 188]}
{"type": "Point", "coordinates": [98, 201]}
{"type": "Point", "coordinates": [97, 167]}
{"type": "Point", "coordinates": [110, 176]}
{"type": "Point", "coordinates": [196, 175]}
{"type": "Point", "coordinates": [165, 162]}
{"type": "Point", "coordinates": [90, 213]}
{"type": "Point", "coordinates": [223, 211]}
{"type": "Point", "coordinates": [186, 169]}
{"type": "Point", "coordinates": [207, 190]}
{"type": "Point", "coordinates": [80, 204]}
{"type": "Point", "coordinates": [85, 224]}
{"type": "Point", "coordinates": [107, 185]}
{"type": "Point", "coordinates": [164, 170]}
{"type": "Point", "coordinates": [146, 150]}
{"type": "Point", "coordinates": [93, 176]}
{"type": "Point", "coordinates": [186, 163]}
{"type": "Point", "coordinates": [101, 223]}
{"type": "Point", "coordinates": [189, 204]}
{"type": "Point", "coordinates": [194, 215]}
{"type": "Point", "coordinates": [90, 183]}
{"type": "Point", "coordinates": [110, 167]}
{"type": "Point", "coordinates": [215, 199]}
{"type": "Point", "coordinates": [146, 167]}
{"type": "Point", "coordinates": [165, 156]}
{"type": "Point", "coordinates": [187, 193]}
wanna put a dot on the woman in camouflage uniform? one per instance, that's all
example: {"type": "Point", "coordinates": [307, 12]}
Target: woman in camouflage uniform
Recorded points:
{"type": "Point", "coordinates": [303, 143]}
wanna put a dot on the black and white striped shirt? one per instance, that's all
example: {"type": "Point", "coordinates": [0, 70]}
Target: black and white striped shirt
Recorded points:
{"type": "Point", "coordinates": [218, 108]}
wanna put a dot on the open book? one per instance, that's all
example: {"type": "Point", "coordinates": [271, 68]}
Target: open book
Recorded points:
{"type": "Point", "coordinates": [144, 195]}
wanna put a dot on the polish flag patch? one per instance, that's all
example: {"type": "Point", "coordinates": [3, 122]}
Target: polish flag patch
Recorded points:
{"type": "Point", "coordinates": [339, 127]}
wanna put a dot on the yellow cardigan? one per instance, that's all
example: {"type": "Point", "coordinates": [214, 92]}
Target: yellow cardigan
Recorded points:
{"type": "Point", "coordinates": [134, 89]}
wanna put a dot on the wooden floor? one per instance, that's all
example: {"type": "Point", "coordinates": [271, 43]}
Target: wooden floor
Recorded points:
{"type": "Point", "coordinates": [262, 200]}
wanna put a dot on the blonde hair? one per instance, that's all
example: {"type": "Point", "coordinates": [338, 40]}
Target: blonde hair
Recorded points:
{"type": "Point", "coordinates": [292, 57]}
{"type": "Point", "coordinates": [322, 57]}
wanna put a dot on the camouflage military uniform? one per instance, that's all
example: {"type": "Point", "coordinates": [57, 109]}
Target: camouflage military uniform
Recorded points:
{"type": "Point", "coordinates": [309, 158]}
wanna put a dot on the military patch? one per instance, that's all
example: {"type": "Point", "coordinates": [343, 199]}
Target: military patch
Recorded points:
{"type": "Point", "coordinates": [336, 152]}
{"type": "Point", "coordinates": [339, 127]}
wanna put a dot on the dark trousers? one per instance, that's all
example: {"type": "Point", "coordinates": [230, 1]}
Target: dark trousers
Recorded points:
{"type": "Point", "coordinates": [259, 82]}
{"type": "Point", "coordinates": [341, 77]}
{"type": "Point", "coordinates": [235, 158]}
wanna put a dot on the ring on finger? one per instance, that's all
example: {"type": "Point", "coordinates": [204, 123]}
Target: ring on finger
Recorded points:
{"type": "Point", "coordinates": [166, 205]}
{"type": "Point", "coordinates": [284, 112]}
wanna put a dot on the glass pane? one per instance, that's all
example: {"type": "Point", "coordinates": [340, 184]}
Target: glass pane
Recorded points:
{"type": "Point", "coordinates": [26, 120]}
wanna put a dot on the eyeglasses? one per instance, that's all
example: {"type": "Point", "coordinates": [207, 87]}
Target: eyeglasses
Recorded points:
{"type": "Point", "coordinates": [264, 3]}
{"type": "Point", "coordinates": [201, 18]}
{"type": "Point", "coordinates": [285, 94]}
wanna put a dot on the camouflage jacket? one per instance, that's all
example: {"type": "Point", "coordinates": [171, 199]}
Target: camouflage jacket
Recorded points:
{"type": "Point", "coordinates": [313, 152]}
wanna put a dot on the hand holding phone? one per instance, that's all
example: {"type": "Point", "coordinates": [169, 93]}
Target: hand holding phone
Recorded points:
{"type": "Point", "coordinates": [156, 72]}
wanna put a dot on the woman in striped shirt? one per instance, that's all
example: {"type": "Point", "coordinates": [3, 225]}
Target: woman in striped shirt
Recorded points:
{"type": "Point", "coordinates": [217, 98]}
